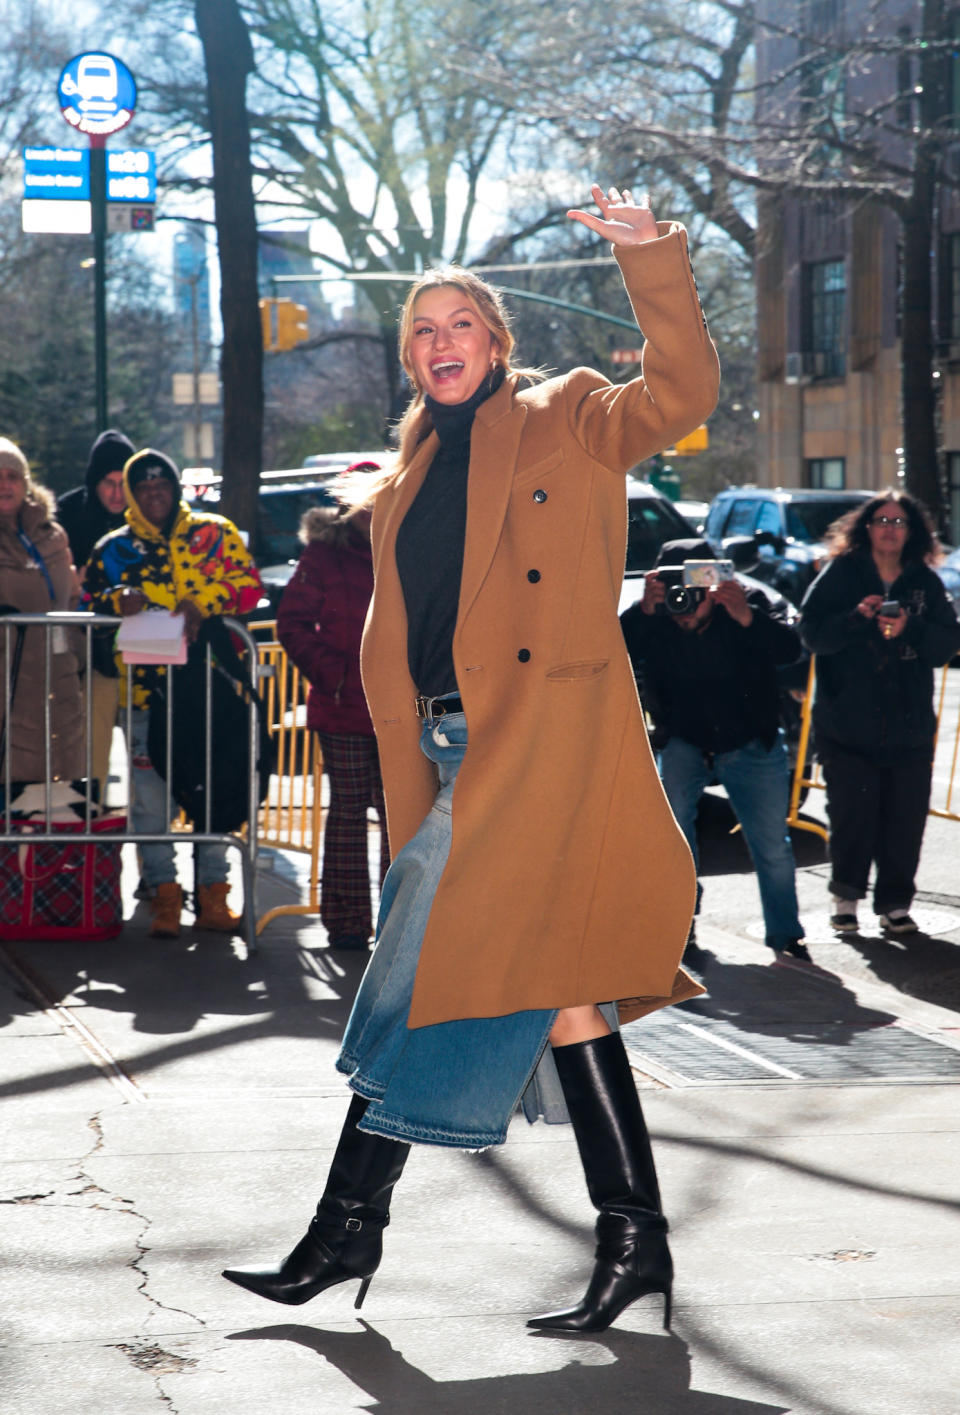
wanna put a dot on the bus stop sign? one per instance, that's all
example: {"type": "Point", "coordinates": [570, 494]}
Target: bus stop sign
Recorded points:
{"type": "Point", "coordinates": [97, 94]}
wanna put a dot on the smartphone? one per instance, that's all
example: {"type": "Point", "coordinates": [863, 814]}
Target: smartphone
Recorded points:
{"type": "Point", "coordinates": [890, 609]}
{"type": "Point", "coordinates": [702, 573]}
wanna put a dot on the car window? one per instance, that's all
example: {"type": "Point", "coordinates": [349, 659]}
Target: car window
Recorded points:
{"type": "Point", "coordinates": [809, 521]}
{"type": "Point", "coordinates": [742, 518]}
{"type": "Point", "coordinates": [715, 518]}
{"type": "Point", "coordinates": [651, 522]}
{"type": "Point", "coordinates": [769, 518]}
{"type": "Point", "coordinates": [279, 515]}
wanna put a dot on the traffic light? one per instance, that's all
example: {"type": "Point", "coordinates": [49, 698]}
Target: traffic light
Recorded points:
{"type": "Point", "coordinates": [284, 324]}
{"type": "Point", "coordinates": [266, 323]}
{"type": "Point", "coordinates": [291, 324]}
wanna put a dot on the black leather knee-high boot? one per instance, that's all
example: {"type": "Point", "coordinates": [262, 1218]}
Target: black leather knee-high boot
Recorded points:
{"type": "Point", "coordinates": [345, 1237]}
{"type": "Point", "coordinates": [632, 1256]}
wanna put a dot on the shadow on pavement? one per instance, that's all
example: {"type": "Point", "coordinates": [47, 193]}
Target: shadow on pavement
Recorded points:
{"type": "Point", "coordinates": [919, 966]}
{"type": "Point", "coordinates": [652, 1372]}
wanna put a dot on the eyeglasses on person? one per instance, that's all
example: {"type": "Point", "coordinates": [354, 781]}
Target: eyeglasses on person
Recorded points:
{"type": "Point", "coordinates": [888, 521]}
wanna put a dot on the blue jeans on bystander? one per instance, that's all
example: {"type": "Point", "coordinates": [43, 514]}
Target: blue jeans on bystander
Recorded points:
{"type": "Point", "coordinates": [757, 781]}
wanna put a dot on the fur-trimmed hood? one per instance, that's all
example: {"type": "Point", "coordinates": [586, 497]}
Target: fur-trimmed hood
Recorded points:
{"type": "Point", "coordinates": [340, 526]}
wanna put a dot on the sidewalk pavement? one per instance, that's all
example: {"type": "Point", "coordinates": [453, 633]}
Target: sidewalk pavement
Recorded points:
{"type": "Point", "coordinates": [174, 1107]}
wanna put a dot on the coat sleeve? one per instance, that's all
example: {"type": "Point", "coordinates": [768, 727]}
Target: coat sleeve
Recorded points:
{"type": "Point", "coordinates": [621, 424]}
{"type": "Point", "coordinates": [300, 626]}
{"type": "Point", "coordinates": [639, 632]}
{"type": "Point", "coordinates": [829, 619]}
{"type": "Point", "coordinates": [770, 632]}
{"type": "Point", "coordinates": [102, 595]}
{"type": "Point", "coordinates": [233, 586]}
{"type": "Point", "coordinates": [935, 634]}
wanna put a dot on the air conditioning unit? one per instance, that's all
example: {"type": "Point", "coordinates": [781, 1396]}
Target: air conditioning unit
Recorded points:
{"type": "Point", "coordinates": [794, 370]}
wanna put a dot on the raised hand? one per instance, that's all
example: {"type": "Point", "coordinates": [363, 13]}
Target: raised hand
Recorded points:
{"type": "Point", "coordinates": [622, 220]}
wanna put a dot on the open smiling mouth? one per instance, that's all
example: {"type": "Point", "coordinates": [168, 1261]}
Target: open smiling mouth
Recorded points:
{"type": "Point", "coordinates": [447, 368]}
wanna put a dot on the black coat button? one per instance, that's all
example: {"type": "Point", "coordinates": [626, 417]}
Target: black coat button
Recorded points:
{"type": "Point", "coordinates": [524, 655]}
{"type": "Point", "coordinates": [539, 494]}
{"type": "Point", "coordinates": [533, 576]}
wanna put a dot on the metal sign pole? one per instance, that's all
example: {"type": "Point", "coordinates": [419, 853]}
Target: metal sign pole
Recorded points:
{"type": "Point", "coordinates": [98, 217]}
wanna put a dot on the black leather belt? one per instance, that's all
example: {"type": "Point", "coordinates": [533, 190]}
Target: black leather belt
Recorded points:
{"type": "Point", "coordinates": [432, 708]}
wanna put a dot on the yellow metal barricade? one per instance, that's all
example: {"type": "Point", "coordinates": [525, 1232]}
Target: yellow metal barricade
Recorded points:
{"type": "Point", "coordinates": [946, 748]}
{"type": "Point", "coordinates": [290, 817]}
{"type": "Point", "coordinates": [807, 775]}
{"type": "Point", "coordinates": [803, 779]}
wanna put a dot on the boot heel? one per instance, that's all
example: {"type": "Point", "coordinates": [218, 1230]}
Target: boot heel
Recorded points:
{"type": "Point", "coordinates": [667, 1308]}
{"type": "Point", "coordinates": [363, 1291]}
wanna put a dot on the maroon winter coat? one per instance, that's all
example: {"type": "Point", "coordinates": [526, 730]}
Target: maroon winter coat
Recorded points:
{"type": "Point", "coordinates": [320, 621]}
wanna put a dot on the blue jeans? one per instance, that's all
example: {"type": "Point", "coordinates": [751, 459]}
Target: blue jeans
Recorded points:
{"type": "Point", "coordinates": [453, 1083]}
{"type": "Point", "coordinates": [148, 813]}
{"type": "Point", "coordinates": [757, 782]}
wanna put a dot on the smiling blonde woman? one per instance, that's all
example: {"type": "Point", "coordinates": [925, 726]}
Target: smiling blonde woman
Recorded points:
{"type": "Point", "coordinates": [521, 913]}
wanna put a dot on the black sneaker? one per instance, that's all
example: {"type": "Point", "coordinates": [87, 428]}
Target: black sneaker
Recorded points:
{"type": "Point", "coordinates": [844, 923]}
{"type": "Point", "coordinates": [899, 923]}
{"type": "Point", "coordinates": [793, 948]}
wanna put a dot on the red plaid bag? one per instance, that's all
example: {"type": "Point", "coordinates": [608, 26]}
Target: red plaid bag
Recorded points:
{"type": "Point", "coordinates": [53, 891]}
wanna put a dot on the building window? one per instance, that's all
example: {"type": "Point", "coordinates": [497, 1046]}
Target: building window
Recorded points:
{"type": "Point", "coordinates": [826, 473]}
{"type": "Point", "coordinates": [949, 286]}
{"type": "Point", "coordinates": [953, 497]}
{"type": "Point", "coordinates": [824, 310]}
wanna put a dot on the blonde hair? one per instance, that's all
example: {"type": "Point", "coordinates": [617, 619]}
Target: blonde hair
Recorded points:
{"type": "Point", "coordinates": [12, 457]}
{"type": "Point", "coordinates": [493, 315]}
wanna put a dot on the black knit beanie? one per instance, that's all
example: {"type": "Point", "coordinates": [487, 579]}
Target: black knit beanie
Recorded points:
{"type": "Point", "coordinates": [148, 464]}
{"type": "Point", "coordinates": [108, 454]}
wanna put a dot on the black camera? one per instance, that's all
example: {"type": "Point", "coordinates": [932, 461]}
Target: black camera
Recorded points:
{"type": "Point", "coordinates": [687, 584]}
{"type": "Point", "coordinates": [679, 598]}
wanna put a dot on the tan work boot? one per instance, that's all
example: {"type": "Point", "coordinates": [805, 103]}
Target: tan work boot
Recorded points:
{"type": "Point", "coordinates": [166, 905]}
{"type": "Point", "coordinates": [214, 912]}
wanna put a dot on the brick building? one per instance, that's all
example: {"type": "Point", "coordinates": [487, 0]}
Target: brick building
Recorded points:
{"type": "Point", "coordinates": [828, 269]}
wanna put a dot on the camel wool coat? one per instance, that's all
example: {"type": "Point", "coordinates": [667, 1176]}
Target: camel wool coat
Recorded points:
{"type": "Point", "coordinates": [568, 880]}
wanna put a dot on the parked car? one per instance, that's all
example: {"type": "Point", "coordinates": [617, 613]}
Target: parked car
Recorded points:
{"type": "Point", "coordinates": [652, 518]}
{"type": "Point", "coordinates": [695, 512]}
{"type": "Point", "coordinates": [284, 496]}
{"type": "Point", "coordinates": [949, 572]}
{"type": "Point", "coordinates": [786, 526]}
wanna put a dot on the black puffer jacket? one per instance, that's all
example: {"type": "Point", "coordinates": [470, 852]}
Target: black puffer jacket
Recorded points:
{"type": "Point", "coordinates": [875, 694]}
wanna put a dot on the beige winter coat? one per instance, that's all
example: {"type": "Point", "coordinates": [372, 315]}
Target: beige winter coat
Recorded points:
{"type": "Point", "coordinates": [23, 585]}
{"type": "Point", "coordinates": [568, 879]}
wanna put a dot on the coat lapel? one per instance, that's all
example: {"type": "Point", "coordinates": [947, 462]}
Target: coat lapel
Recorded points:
{"type": "Point", "coordinates": [500, 420]}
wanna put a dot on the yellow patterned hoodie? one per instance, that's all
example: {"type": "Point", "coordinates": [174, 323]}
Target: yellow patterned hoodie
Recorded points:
{"type": "Point", "coordinates": [197, 555]}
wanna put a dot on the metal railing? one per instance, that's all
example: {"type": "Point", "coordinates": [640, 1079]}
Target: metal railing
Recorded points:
{"type": "Point", "coordinates": [42, 829]}
{"type": "Point", "coordinates": [290, 818]}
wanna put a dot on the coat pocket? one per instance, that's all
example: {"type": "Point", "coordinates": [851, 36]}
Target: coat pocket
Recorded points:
{"type": "Point", "coordinates": [584, 668]}
{"type": "Point", "coordinates": [537, 471]}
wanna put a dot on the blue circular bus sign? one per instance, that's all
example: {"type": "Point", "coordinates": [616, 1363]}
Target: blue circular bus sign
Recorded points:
{"type": "Point", "coordinates": [97, 94]}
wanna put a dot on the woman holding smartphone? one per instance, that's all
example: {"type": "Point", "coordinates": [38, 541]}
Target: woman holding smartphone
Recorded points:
{"type": "Point", "coordinates": [879, 620]}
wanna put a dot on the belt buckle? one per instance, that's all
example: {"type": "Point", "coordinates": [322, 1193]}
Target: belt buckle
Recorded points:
{"type": "Point", "coordinates": [424, 707]}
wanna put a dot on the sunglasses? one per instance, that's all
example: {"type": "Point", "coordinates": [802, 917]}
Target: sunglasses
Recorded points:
{"type": "Point", "coordinates": [888, 521]}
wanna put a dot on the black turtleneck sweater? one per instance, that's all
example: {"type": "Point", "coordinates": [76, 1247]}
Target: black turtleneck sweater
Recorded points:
{"type": "Point", "coordinates": [430, 545]}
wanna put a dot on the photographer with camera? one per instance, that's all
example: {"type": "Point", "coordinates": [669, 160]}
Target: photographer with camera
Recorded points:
{"type": "Point", "coordinates": [879, 621]}
{"type": "Point", "coordinates": [707, 651]}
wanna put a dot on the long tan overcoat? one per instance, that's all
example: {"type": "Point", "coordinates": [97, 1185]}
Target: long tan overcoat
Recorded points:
{"type": "Point", "coordinates": [568, 879]}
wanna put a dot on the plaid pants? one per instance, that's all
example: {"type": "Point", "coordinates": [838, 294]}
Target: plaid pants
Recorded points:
{"type": "Point", "coordinates": [353, 770]}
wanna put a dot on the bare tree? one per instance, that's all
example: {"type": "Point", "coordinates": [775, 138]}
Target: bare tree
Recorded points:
{"type": "Point", "coordinates": [229, 60]}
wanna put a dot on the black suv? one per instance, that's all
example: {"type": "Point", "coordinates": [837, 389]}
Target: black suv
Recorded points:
{"type": "Point", "coordinates": [777, 533]}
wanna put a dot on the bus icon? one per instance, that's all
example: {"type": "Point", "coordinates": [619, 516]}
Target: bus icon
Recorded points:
{"type": "Point", "coordinates": [96, 80]}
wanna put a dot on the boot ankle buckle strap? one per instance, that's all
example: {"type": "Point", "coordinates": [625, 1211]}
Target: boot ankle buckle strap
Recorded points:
{"type": "Point", "coordinates": [353, 1225]}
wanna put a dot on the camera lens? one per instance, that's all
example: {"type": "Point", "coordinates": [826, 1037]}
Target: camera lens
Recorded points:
{"type": "Point", "coordinates": [680, 599]}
